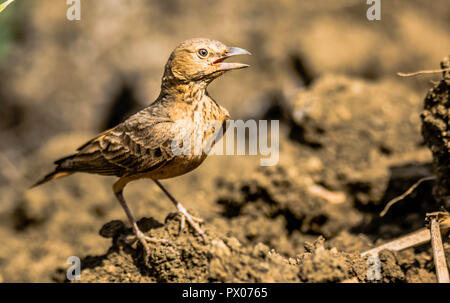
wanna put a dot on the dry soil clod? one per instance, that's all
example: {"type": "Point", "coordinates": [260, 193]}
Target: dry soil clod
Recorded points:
{"type": "Point", "coordinates": [435, 131]}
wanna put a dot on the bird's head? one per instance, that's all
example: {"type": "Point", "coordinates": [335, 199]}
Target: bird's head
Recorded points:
{"type": "Point", "coordinates": [201, 60]}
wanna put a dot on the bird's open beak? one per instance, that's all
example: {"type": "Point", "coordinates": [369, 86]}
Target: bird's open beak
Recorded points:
{"type": "Point", "coordinates": [231, 51]}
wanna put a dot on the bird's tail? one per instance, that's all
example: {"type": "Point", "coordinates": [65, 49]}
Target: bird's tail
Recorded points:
{"type": "Point", "coordinates": [52, 176]}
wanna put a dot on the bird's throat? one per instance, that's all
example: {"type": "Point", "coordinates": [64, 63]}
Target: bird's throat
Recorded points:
{"type": "Point", "coordinates": [184, 91]}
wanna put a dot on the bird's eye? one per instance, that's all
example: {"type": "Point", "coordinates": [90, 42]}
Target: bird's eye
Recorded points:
{"type": "Point", "coordinates": [202, 52]}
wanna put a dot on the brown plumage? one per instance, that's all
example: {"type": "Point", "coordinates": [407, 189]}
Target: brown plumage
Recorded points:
{"type": "Point", "coordinates": [143, 145]}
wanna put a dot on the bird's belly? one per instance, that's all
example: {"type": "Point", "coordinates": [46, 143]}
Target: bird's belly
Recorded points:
{"type": "Point", "coordinates": [177, 166]}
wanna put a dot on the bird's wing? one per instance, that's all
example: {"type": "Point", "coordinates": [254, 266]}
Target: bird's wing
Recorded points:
{"type": "Point", "coordinates": [140, 144]}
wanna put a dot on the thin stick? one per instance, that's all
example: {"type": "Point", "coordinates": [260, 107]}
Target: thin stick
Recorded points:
{"type": "Point", "coordinates": [405, 194]}
{"type": "Point", "coordinates": [423, 72]}
{"type": "Point", "coordinates": [4, 5]}
{"type": "Point", "coordinates": [438, 251]}
{"type": "Point", "coordinates": [416, 238]}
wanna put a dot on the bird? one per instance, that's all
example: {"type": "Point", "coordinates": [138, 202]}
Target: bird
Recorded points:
{"type": "Point", "coordinates": [148, 143]}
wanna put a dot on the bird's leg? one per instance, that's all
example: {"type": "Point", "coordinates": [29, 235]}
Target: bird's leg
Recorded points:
{"type": "Point", "coordinates": [139, 235]}
{"type": "Point", "coordinates": [193, 221]}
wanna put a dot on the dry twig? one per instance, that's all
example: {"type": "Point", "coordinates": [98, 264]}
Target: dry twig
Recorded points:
{"type": "Point", "coordinates": [438, 249]}
{"type": "Point", "coordinates": [418, 237]}
{"type": "Point", "coordinates": [439, 222]}
{"type": "Point", "coordinates": [405, 194]}
{"type": "Point", "coordinates": [423, 72]}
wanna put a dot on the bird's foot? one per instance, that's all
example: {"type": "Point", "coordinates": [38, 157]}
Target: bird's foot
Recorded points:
{"type": "Point", "coordinates": [192, 221]}
{"type": "Point", "coordinates": [145, 241]}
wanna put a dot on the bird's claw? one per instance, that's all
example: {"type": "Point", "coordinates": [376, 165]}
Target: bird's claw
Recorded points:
{"type": "Point", "coordinates": [183, 221]}
{"type": "Point", "coordinates": [193, 221]}
{"type": "Point", "coordinates": [145, 240]}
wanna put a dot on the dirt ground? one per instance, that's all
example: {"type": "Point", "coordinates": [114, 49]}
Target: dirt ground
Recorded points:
{"type": "Point", "coordinates": [350, 140]}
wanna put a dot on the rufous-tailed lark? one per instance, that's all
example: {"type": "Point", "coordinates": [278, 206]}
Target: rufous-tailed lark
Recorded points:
{"type": "Point", "coordinates": [142, 146]}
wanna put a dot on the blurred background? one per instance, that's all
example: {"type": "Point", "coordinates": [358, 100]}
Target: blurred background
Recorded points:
{"type": "Point", "coordinates": [350, 127]}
